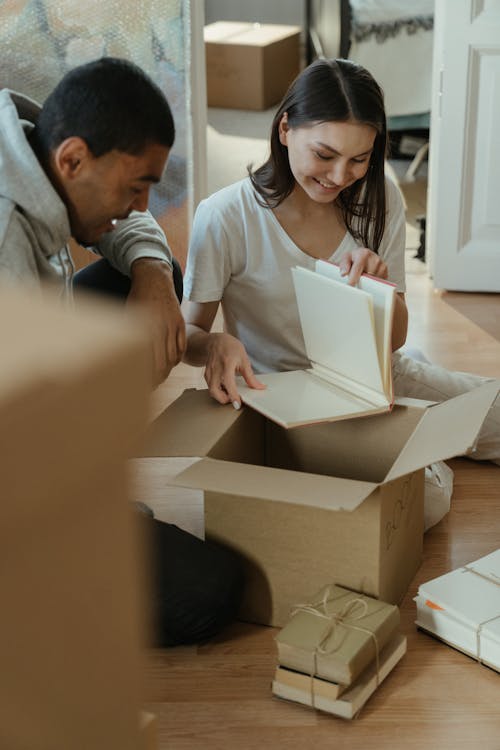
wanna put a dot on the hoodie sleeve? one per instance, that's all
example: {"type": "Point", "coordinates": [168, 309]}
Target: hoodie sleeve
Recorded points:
{"type": "Point", "coordinates": [138, 236]}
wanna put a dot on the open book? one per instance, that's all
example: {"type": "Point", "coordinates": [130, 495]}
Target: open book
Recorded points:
{"type": "Point", "coordinates": [347, 332]}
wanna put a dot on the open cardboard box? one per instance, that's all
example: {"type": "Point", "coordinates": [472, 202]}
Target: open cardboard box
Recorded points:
{"type": "Point", "coordinates": [337, 502]}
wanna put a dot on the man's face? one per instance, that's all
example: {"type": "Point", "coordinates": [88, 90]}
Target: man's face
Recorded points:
{"type": "Point", "coordinates": [109, 187]}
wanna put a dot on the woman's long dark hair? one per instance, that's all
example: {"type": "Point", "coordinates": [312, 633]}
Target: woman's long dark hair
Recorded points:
{"type": "Point", "coordinates": [333, 91]}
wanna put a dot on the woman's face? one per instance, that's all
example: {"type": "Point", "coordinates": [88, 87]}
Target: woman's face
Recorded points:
{"type": "Point", "coordinates": [327, 157]}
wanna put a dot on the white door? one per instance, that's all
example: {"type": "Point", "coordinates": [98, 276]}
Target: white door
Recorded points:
{"type": "Point", "coordinates": [463, 212]}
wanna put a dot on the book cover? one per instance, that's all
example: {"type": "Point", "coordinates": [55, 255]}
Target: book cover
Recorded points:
{"type": "Point", "coordinates": [295, 680]}
{"type": "Point", "coordinates": [318, 693]}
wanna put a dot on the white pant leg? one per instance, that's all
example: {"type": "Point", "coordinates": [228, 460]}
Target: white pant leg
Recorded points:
{"type": "Point", "coordinates": [431, 382]}
{"type": "Point", "coordinates": [438, 489]}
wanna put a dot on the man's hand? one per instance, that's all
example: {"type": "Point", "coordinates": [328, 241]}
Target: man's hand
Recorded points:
{"type": "Point", "coordinates": [226, 359]}
{"type": "Point", "coordinates": [359, 261]}
{"type": "Point", "coordinates": [152, 288]}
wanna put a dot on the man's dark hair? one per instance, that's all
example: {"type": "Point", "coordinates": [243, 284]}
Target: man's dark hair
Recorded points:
{"type": "Point", "coordinates": [111, 104]}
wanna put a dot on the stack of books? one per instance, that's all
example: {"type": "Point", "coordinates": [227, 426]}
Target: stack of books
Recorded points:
{"type": "Point", "coordinates": [336, 650]}
{"type": "Point", "coordinates": [462, 608]}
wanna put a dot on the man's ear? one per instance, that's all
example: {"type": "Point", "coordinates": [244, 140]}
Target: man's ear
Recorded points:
{"type": "Point", "coordinates": [71, 157]}
{"type": "Point", "coordinates": [283, 129]}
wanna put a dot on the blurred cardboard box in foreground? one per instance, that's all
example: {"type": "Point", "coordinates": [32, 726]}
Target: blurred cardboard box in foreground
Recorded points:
{"type": "Point", "coordinates": [73, 403]}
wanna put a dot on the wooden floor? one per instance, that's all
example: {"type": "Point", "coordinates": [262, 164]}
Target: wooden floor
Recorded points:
{"type": "Point", "coordinates": [218, 695]}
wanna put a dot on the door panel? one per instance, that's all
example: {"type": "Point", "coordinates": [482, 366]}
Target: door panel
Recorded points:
{"type": "Point", "coordinates": [464, 179]}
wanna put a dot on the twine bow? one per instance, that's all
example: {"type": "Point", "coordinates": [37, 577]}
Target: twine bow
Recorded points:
{"type": "Point", "coordinates": [353, 610]}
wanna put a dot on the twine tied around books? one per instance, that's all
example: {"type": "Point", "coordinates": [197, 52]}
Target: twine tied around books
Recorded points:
{"type": "Point", "coordinates": [478, 636]}
{"type": "Point", "coordinates": [355, 609]}
{"type": "Point", "coordinates": [491, 578]}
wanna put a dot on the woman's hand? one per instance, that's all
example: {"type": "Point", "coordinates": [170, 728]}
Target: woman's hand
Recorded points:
{"type": "Point", "coordinates": [226, 359]}
{"type": "Point", "coordinates": [223, 355]}
{"type": "Point", "coordinates": [362, 260]}
{"type": "Point", "coordinates": [359, 261]}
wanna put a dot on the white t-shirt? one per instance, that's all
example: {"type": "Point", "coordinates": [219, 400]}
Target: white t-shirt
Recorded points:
{"type": "Point", "coordinates": [240, 255]}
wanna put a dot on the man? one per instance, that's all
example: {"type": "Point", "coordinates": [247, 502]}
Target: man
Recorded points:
{"type": "Point", "coordinates": [81, 167]}
{"type": "Point", "coordinates": [84, 163]}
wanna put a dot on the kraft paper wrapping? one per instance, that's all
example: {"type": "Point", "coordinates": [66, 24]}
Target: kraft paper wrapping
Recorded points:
{"type": "Point", "coordinates": [337, 634]}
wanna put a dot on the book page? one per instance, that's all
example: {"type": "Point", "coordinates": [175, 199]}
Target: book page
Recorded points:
{"type": "Point", "coordinates": [338, 326]}
{"type": "Point", "coordinates": [383, 295]}
{"type": "Point", "coordinates": [298, 397]}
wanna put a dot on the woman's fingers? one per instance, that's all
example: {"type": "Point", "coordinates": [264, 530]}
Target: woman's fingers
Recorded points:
{"type": "Point", "coordinates": [357, 262]}
{"type": "Point", "coordinates": [227, 359]}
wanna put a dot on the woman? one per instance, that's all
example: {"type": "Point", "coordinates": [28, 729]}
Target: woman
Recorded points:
{"type": "Point", "coordinates": [322, 193]}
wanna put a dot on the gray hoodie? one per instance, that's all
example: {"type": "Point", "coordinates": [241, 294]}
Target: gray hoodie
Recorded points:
{"type": "Point", "coordinates": [34, 223]}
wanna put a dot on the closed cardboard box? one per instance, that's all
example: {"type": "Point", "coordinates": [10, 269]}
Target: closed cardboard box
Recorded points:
{"type": "Point", "coordinates": [250, 66]}
{"type": "Point", "coordinates": [337, 502]}
{"type": "Point", "coordinates": [73, 402]}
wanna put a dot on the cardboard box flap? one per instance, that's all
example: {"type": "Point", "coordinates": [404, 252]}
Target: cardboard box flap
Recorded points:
{"type": "Point", "coordinates": [280, 485]}
{"type": "Point", "coordinates": [176, 433]}
{"type": "Point", "coordinates": [446, 430]}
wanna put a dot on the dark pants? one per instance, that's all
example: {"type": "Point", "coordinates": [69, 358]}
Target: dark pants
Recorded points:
{"type": "Point", "coordinates": [101, 277]}
{"type": "Point", "coordinates": [197, 585]}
